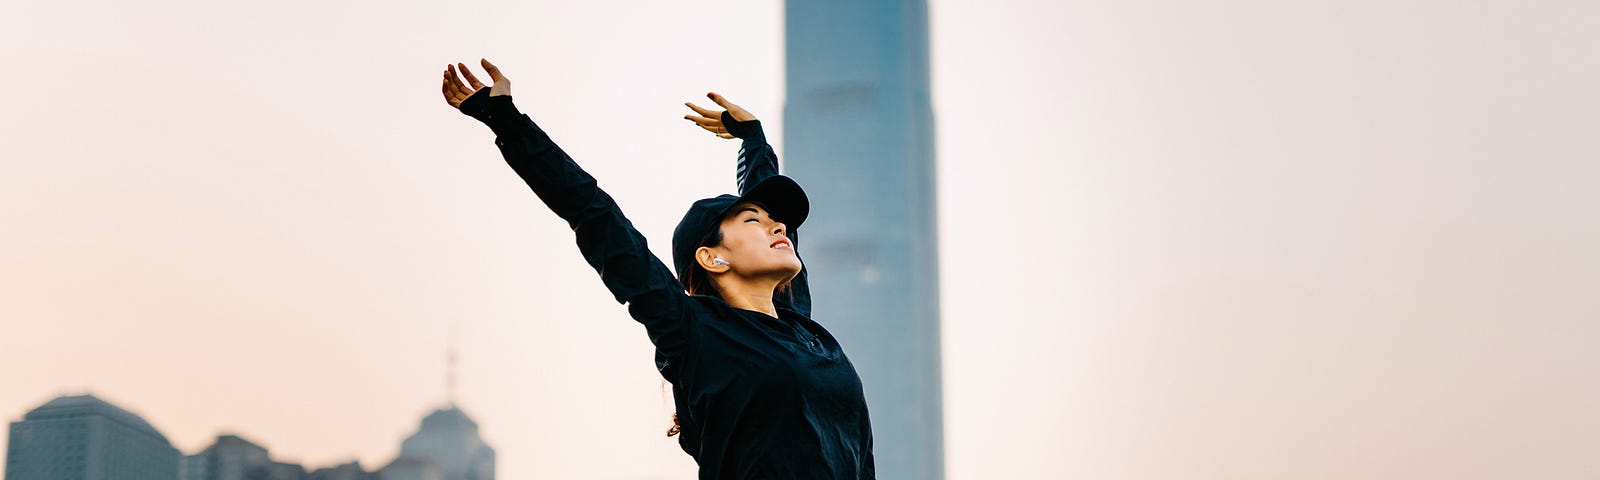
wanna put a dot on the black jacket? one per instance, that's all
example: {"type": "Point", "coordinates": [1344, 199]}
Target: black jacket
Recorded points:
{"type": "Point", "coordinates": [758, 397]}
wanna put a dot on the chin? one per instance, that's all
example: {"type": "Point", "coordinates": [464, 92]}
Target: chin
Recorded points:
{"type": "Point", "coordinates": [793, 266]}
{"type": "Point", "coordinates": [786, 270]}
{"type": "Point", "coordinates": [794, 272]}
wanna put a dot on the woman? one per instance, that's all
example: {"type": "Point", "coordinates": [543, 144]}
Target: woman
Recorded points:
{"type": "Point", "coordinates": [760, 390]}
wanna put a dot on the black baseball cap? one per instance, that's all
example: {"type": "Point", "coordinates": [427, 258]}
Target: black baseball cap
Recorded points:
{"type": "Point", "coordinates": [779, 195]}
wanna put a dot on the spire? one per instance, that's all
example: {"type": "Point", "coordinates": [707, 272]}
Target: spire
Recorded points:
{"type": "Point", "coordinates": [450, 368]}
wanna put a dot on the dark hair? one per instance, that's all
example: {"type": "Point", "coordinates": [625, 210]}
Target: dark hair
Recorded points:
{"type": "Point", "coordinates": [696, 280]}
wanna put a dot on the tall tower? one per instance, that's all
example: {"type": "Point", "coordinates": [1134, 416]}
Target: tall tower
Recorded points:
{"type": "Point", "coordinates": [858, 134]}
{"type": "Point", "coordinates": [85, 438]}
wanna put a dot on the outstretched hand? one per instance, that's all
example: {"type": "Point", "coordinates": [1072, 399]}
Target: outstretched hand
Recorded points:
{"type": "Point", "coordinates": [455, 92]}
{"type": "Point", "coordinates": [711, 120]}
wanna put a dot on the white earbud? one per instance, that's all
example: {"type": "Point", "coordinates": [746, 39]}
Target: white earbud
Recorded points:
{"type": "Point", "coordinates": [719, 261]}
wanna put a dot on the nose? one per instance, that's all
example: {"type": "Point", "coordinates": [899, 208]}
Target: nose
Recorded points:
{"type": "Point", "coordinates": [777, 228]}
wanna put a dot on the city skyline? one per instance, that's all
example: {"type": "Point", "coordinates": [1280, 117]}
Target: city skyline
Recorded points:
{"type": "Point", "coordinates": [231, 453]}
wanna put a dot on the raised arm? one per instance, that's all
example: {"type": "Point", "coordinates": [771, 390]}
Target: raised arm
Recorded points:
{"type": "Point", "coordinates": [757, 162]}
{"type": "Point", "coordinates": [608, 241]}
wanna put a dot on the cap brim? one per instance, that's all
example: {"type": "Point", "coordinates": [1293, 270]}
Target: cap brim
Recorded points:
{"type": "Point", "coordinates": [783, 198]}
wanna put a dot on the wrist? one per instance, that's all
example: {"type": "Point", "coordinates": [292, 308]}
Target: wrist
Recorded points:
{"type": "Point", "coordinates": [489, 109]}
{"type": "Point", "coordinates": [745, 129]}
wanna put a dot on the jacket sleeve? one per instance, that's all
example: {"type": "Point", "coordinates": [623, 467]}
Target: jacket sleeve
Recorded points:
{"type": "Point", "coordinates": [757, 162]}
{"type": "Point", "coordinates": [608, 241]}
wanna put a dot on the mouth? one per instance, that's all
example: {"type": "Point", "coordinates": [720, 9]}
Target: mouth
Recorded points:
{"type": "Point", "coordinates": [783, 244]}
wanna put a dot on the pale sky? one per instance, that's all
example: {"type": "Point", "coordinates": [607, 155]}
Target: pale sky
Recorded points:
{"type": "Point", "coordinates": [1239, 240]}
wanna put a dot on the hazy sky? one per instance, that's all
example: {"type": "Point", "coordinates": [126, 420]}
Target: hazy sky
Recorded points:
{"type": "Point", "coordinates": [1238, 240]}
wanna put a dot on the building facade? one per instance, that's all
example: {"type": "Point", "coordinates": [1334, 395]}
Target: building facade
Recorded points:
{"type": "Point", "coordinates": [81, 437]}
{"type": "Point", "coordinates": [858, 134]}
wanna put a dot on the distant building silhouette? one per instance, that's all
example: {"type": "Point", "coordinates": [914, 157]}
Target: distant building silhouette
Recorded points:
{"type": "Point", "coordinates": [412, 468]}
{"type": "Point", "coordinates": [231, 457]}
{"type": "Point", "coordinates": [347, 471]}
{"type": "Point", "coordinates": [81, 437]}
{"type": "Point", "coordinates": [445, 447]}
{"type": "Point", "coordinates": [858, 133]}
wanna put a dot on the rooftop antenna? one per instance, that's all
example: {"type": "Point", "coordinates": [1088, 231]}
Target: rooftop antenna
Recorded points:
{"type": "Point", "coordinates": [451, 363]}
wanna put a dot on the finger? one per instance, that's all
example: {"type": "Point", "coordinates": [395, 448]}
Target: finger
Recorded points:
{"type": "Point", "coordinates": [454, 80]}
{"type": "Point", "coordinates": [459, 88]}
{"type": "Point", "coordinates": [704, 112]}
{"type": "Point", "coordinates": [703, 120]}
{"type": "Point", "coordinates": [448, 98]}
{"type": "Point", "coordinates": [494, 72]}
{"type": "Point", "coordinates": [721, 101]}
{"type": "Point", "coordinates": [449, 90]}
{"type": "Point", "coordinates": [718, 131]}
{"type": "Point", "coordinates": [471, 80]}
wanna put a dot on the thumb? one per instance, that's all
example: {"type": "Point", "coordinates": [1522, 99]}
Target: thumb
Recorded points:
{"type": "Point", "coordinates": [721, 101]}
{"type": "Point", "coordinates": [494, 73]}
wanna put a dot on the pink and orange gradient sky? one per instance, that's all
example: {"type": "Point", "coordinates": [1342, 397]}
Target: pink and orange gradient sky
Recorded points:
{"type": "Point", "coordinates": [1239, 240]}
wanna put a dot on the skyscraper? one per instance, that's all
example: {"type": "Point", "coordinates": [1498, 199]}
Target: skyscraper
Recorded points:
{"type": "Point", "coordinates": [81, 437]}
{"type": "Point", "coordinates": [858, 133]}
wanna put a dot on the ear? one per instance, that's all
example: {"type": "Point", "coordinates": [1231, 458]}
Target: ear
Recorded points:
{"type": "Point", "coordinates": [703, 256]}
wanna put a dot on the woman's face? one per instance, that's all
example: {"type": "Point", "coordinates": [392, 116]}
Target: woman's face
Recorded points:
{"type": "Point", "coordinates": [756, 246]}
